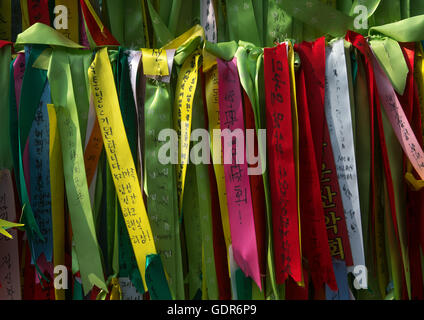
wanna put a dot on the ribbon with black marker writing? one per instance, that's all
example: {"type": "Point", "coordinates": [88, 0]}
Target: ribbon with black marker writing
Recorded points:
{"type": "Point", "coordinates": [125, 177]}
{"type": "Point", "coordinates": [315, 246]}
{"type": "Point", "coordinates": [237, 182]}
{"type": "Point", "coordinates": [339, 119]}
{"type": "Point", "coordinates": [312, 55]}
{"type": "Point", "coordinates": [160, 178]}
{"type": "Point", "coordinates": [282, 168]}
{"type": "Point", "coordinates": [38, 11]}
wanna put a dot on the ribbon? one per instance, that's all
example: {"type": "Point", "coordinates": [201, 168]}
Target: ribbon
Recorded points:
{"type": "Point", "coordinates": [249, 65]}
{"type": "Point", "coordinates": [40, 177]}
{"type": "Point", "coordinates": [208, 20]}
{"type": "Point", "coordinates": [6, 20]}
{"type": "Point", "coordinates": [410, 103]}
{"type": "Point", "coordinates": [10, 280]}
{"type": "Point", "coordinates": [186, 87]}
{"type": "Point", "coordinates": [6, 161]}
{"type": "Point", "coordinates": [100, 35]}
{"type": "Point", "coordinates": [398, 120]}
{"type": "Point", "coordinates": [38, 11]}
{"type": "Point", "coordinates": [338, 115]}
{"type": "Point", "coordinates": [121, 162]}
{"type": "Point", "coordinates": [242, 23]}
{"type": "Point", "coordinates": [32, 87]}
{"type": "Point", "coordinates": [57, 195]}
{"type": "Point", "coordinates": [314, 236]}
{"type": "Point", "coordinates": [126, 22]}
{"type": "Point", "coordinates": [282, 167]}
{"type": "Point", "coordinates": [209, 276]}
{"type": "Point", "coordinates": [312, 56]}
{"type": "Point", "coordinates": [87, 249]}
{"type": "Point", "coordinates": [160, 179]}
{"type": "Point", "coordinates": [237, 183]}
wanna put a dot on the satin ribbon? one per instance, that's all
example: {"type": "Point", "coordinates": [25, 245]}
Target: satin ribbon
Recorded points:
{"type": "Point", "coordinates": [57, 195]}
{"type": "Point", "coordinates": [341, 135]}
{"type": "Point", "coordinates": [6, 161]}
{"type": "Point", "coordinates": [75, 178]}
{"type": "Point", "coordinates": [98, 32]}
{"type": "Point", "coordinates": [314, 236]}
{"type": "Point", "coordinates": [123, 172]}
{"type": "Point", "coordinates": [312, 56]}
{"type": "Point", "coordinates": [9, 247]}
{"type": "Point", "coordinates": [6, 20]}
{"type": "Point", "coordinates": [40, 177]}
{"type": "Point", "coordinates": [237, 184]}
{"type": "Point", "coordinates": [410, 104]}
{"type": "Point", "coordinates": [126, 22]}
{"type": "Point", "coordinates": [186, 87]}
{"type": "Point", "coordinates": [38, 11]}
{"type": "Point", "coordinates": [249, 66]}
{"type": "Point", "coordinates": [282, 166]}
{"type": "Point", "coordinates": [160, 179]}
{"type": "Point", "coordinates": [242, 23]}
{"type": "Point", "coordinates": [209, 276]}
{"type": "Point", "coordinates": [385, 191]}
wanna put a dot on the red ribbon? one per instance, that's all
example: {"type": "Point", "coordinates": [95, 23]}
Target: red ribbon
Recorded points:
{"type": "Point", "coordinates": [314, 234]}
{"type": "Point", "coordinates": [361, 44]}
{"type": "Point", "coordinates": [101, 39]}
{"type": "Point", "coordinates": [415, 200]}
{"type": "Point", "coordinates": [285, 219]}
{"type": "Point", "coordinates": [312, 55]}
{"type": "Point", "coordinates": [4, 43]}
{"type": "Point", "coordinates": [38, 11]}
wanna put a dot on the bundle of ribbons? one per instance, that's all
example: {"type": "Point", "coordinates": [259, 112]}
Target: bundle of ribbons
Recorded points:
{"type": "Point", "coordinates": [238, 149]}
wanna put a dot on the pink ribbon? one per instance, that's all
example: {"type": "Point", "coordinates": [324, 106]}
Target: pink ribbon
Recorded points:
{"type": "Point", "coordinates": [239, 199]}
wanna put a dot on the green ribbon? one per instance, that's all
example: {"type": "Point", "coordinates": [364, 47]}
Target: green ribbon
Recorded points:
{"type": "Point", "coordinates": [155, 279]}
{"type": "Point", "coordinates": [329, 20]}
{"type": "Point", "coordinates": [6, 161]}
{"type": "Point", "coordinates": [80, 62]}
{"type": "Point", "coordinates": [279, 23]}
{"type": "Point", "coordinates": [193, 234]}
{"type": "Point", "coordinates": [126, 22]}
{"type": "Point", "coordinates": [242, 23]}
{"type": "Point", "coordinates": [42, 34]}
{"type": "Point", "coordinates": [205, 205]}
{"type": "Point", "coordinates": [87, 247]}
{"type": "Point", "coordinates": [162, 34]}
{"type": "Point", "coordinates": [397, 255]}
{"type": "Point", "coordinates": [388, 51]}
{"type": "Point", "coordinates": [244, 286]}
{"type": "Point", "coordinates": [32, 88]}
{"type": "Point", "coordinates": [387, 12]}
{"type": "Point", "coordinates": [222, 50]}
{"type": "Point", "coordinates": [161, 180]}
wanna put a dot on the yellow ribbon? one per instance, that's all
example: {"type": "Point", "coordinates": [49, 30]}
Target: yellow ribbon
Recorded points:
{"type": "Point", "coordinates": [120, 159]}
{"type": "Point", "coordinates": [4, 225]}
{"type": "Point", "coordinates": [116, 292]}
{"type": "Point", "coordinates": [155, 62]}
{"type": "Point", "coordinates": [183, 106]}
{"type": "Point", "coordinates": [95, 16]}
